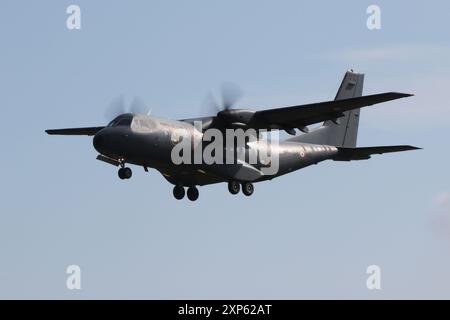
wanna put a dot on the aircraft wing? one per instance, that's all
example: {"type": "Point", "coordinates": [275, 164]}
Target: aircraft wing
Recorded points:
{"type": "Point", "coordinates": [88, 131]}
{"type": "Point", "coordinates": [349, 154]}
{"type": "Point", "coordinates": [304, 115]}
{"type": "Point", "coordinates": [292, 117]}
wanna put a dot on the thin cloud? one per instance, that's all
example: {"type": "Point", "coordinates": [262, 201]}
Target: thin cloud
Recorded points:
{"type": "Point", "coordinates": [404, 52]}
{"type": "Point", "coordinates": [442, 200]}
{"type": "Point", "coordinates": [421, 69]}
{"type": "Point", "coordinates": [441, 214]}
{"type": "Point", "coordinates": [429, 108]}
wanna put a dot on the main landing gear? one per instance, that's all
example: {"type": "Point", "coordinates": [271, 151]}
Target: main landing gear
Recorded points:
{"type": "Point", "coordinates": [179, 192]}
{"type": "Point", "coordinates": [234, 187]}
{"type": "Point", "coordinates": [247, 188]}
{"type": "Point", "coordinates": [192, 192]}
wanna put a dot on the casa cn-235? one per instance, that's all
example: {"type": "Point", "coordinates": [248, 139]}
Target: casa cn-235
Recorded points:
{"type": "Point", "coordinates": [149, 142]}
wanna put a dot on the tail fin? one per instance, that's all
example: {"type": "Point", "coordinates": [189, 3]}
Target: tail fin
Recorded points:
{"type": "Point", "coordinates": [343, 131]}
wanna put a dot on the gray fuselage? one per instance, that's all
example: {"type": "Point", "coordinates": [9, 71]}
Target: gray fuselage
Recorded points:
{"type": "Point", "coordinates": [149, 142]}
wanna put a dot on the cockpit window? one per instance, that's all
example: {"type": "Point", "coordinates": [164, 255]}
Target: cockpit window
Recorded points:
{"type": "Point", "coordinates": [122, 120]}
{"type": "Point", "coordinates": [143, 124]}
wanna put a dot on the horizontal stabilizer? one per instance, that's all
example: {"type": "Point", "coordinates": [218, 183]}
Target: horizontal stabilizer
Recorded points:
{"type": "Point", "coordinates": [90, 131]}
{"type": "Point", "coordinates": [349, 154]}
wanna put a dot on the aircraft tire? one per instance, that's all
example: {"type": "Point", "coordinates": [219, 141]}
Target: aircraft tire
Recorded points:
{"type": "Point", "coordinates": [192, 193]}
{"type": "Point", "coordinates": [178, 192]}
{"type": "Point", "coordinates": [121, 174]}
{"type": "Point", "coordinates": [127, 173]}
{"type": "Point", "coordinates": [247, 188]}
{"type": "Point", "coordinates": [234, 187]}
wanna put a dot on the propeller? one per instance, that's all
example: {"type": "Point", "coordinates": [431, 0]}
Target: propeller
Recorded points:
{"type": "Point", "coordinates": [118, 107]}
{"type": "Point", "coordinates": [230, 95]}
{"type": "Point", "coordinates": [138, 106]}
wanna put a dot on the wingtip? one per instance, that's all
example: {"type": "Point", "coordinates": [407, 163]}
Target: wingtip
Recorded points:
{"type": "Point", "coordinates": [50, 131]}
{"type": "Point", "coordinates": [404, 95]}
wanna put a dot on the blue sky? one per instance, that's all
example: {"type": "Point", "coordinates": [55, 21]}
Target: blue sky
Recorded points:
{"type": "Point", "coordinates": [310, 234]}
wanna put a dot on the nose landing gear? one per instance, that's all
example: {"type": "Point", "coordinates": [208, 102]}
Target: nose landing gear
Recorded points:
{"type": "Point", "coordinates": [125, 173]}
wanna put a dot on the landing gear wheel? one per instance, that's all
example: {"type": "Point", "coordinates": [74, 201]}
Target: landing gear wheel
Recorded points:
{"type": "Point", "coordinates": [125, 173]}
{"type": "Point", "coordinates": [178, 192]}
{"type": "Point", "coordinates": [234, 187]}
{"type": "Point", "coordinates": [192, 193]}
{"type": "Point", "coordinates": [247, 188]}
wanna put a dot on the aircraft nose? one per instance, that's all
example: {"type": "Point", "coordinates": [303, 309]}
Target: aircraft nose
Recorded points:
{"type": "Point", "coordinates": [99, 141]}
{"type": "Point", "coordinates": [110, 142]}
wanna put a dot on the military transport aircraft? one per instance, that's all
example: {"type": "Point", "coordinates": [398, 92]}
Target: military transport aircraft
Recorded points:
{"type": "Point", "coordinates": [147, 141]}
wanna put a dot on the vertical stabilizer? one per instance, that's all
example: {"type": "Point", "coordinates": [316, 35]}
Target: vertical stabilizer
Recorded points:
{"type": "Point", "coordinates": [343, 131]}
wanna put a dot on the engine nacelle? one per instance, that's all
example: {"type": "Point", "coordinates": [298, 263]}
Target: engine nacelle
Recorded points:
{"type": "Point", "coordinates": [236, 116]}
